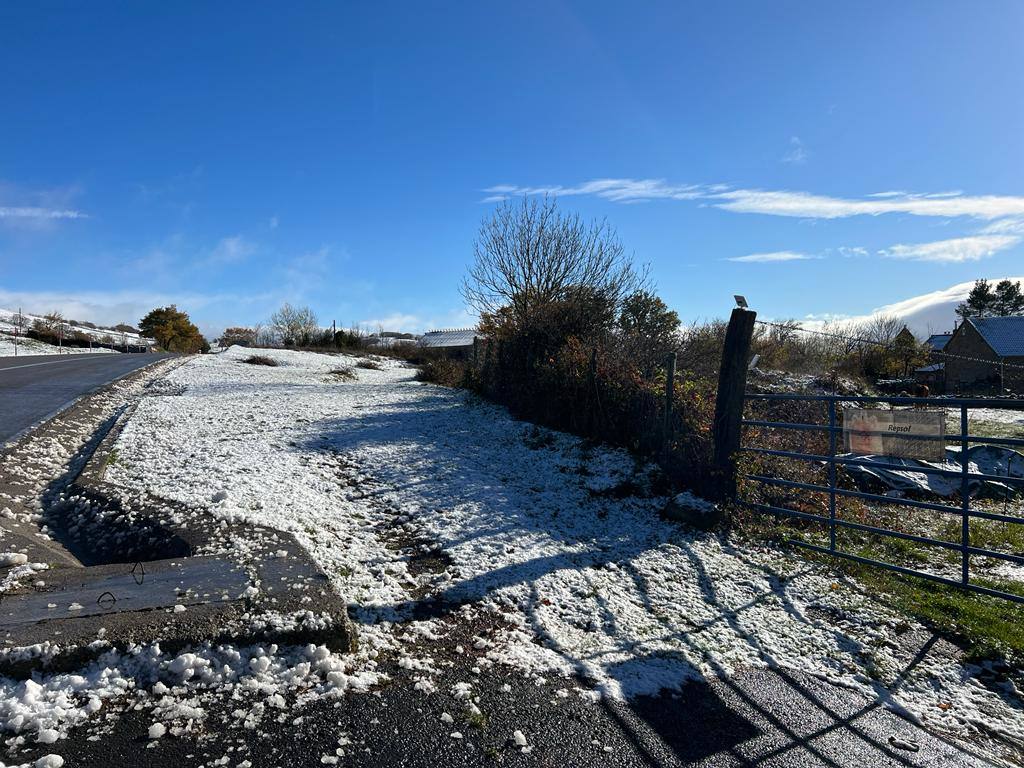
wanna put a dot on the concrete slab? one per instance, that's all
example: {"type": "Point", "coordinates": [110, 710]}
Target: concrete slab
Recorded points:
{"type": "Point", "coordinates": [91, 592]}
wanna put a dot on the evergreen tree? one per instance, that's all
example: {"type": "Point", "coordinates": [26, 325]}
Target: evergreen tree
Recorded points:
{"type": "Point", "coordinates": [979, 301]}
{"type": "Point", "coordinates": [1009, 299]}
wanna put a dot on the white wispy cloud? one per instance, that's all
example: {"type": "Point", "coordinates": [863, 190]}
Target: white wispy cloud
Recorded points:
{"type": "Point", "coordinates": [35, 212]}
{"type": "Point", "coordinates": [616, 190]}
{"type": "Point", "coordinates": [852, 251]}
{"type": "Point", "coordinates": [797, 154]}
{"type": "Point", "coordinates": [231, 250]}
{"type": "Point", "coordinates": [1004, 226]}
{"type": "Point", "coordinates": [773, 256]}
{"type": "Point", "coordinates": [107, 307]}
{"type": "Point", "coordinates": [953, 251]}
{"type": "Point", "coordinates": [412, 323]}
{"type": "Point", "coordinates": [807, 205]}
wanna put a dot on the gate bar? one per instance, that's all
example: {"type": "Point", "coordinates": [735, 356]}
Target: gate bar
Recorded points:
{"type": "Point", "coordinates": [950, 545]}
{"type": "Point", "coordinates": [884, 499]}
{"type": "Point", "coordinates": [911, 572]}
{"type": "Point", "coordinates": [935, 402]}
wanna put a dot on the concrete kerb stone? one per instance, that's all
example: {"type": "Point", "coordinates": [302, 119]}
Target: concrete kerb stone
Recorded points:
{"type": "Point", "coordinates": [158, 571]}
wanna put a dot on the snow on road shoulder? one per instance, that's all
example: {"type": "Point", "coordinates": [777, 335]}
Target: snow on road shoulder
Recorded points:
{"type": "Point", "coordinates": [585, 583]}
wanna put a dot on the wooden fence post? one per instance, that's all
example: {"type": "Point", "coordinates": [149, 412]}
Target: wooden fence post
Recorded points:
{"type": "Point", "coordinates": [732, 384]}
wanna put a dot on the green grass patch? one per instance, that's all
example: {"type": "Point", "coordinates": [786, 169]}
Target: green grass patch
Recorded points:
{"type": "Point", "coordinates": [995, 429]}
{"type": "Point", "coordinates": [985, 627]}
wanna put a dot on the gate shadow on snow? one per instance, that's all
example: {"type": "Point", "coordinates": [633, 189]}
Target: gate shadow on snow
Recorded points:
{"type": "Point", "coordinates": [708, 715]}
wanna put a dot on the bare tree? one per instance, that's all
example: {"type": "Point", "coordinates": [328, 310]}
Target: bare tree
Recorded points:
{"type": "Point", "coordinates": [529, 256]}
{"type": "Point", "coordinates": [294, 325]}
{"type": "Point", "coordinates": [881, 329]}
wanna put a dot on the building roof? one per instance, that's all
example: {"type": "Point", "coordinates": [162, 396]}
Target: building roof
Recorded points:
{"type": "Point", "coordinates": [1004, 334]}
{"type": "Point", "coordinates": [938, 341]}
{"type": "Point", "coordinates": [933, 368]}
{"type": "Point", "coordinates": [449, 337]}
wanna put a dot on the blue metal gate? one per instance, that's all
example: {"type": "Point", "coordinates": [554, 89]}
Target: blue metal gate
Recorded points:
{"type": "Point", "coordinates": [830, 460]}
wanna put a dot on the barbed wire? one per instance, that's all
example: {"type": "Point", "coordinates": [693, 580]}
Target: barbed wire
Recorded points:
{"type": "Point", "coordinates": [884, 344]}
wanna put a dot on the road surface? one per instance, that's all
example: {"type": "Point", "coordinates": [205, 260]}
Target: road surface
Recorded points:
{"type": "Point", "coordinates": [33, 387]}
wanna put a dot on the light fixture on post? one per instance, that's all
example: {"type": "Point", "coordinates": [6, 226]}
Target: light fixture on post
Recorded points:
{"type": "Point", "coordinates": [741, 301]}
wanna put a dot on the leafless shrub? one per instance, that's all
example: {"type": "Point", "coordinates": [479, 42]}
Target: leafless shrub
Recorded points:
{"type": "Point", "coordinates": [295, 326]}
{"type": "Point", "coordinates": [261, 360]}
{"type": "Point", "coordinates": [343, 374]}
{"type": "Point", "coordinates": [370, 365]}
{"type": "Point", "coordinates": [442, 370]}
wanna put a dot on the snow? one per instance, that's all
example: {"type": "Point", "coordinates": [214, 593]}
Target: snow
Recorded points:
{"type": "Point", "coordinates": [24, 346]}
{"type": "Point", "coordinates": [588, 584]}
{"type": "Point", "coordinates": [584, 584]}
{"type": "Point", "coordinates": [27, 346]}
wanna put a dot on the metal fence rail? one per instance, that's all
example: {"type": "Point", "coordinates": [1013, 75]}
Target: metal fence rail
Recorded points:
{"type": "Point", "coordinates": [832, 462]}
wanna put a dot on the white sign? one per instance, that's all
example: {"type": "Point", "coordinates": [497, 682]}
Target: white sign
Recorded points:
{"type": "Point", "coordinates": [910, 433]}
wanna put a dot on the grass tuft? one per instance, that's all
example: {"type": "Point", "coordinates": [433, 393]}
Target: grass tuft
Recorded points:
{"type": "Point", "coordinates": [344, 373]}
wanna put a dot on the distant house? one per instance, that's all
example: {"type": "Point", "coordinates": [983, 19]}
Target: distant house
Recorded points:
{"type": "Point", "coordinates": [986, 354]}
{"type": "Point", "coordinates": [906, 336]}
{"type": "Point", "coordinates": [937, 342]}
{"type": "Point", "coordinates": [453, 342]}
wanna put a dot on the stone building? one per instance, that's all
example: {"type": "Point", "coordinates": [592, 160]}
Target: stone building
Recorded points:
{"type": "Point", "coordinates": [986, 356]}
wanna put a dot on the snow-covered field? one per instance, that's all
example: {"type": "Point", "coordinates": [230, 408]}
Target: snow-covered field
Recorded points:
{"type": "Point", "coordinates": [585, 583]}
{"type": "Point", "coordinates": [34, 347]}
{"type": "Point", "coordinates": [554, 576]}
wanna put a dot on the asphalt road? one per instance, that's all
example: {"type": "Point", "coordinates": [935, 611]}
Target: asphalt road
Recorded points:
{"type": "Point", "coordinates": [33, 387]}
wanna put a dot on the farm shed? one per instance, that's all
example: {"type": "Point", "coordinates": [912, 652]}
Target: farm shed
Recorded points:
{"type": "Point", "coordinates": [452, 342]}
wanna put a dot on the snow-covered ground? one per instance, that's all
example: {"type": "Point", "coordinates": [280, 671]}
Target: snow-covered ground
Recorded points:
{"type": "Point", "coordinates": [588, 583]}
{"type": "Point", "coordinates": [573, 580]}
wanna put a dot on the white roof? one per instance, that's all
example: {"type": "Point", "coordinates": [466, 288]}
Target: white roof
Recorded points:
{"type": "Point", "coordinates": [449, 337]}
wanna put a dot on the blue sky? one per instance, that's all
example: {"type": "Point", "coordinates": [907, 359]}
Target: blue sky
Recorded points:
{"type": "Point", "coordinates": [231, 156]}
